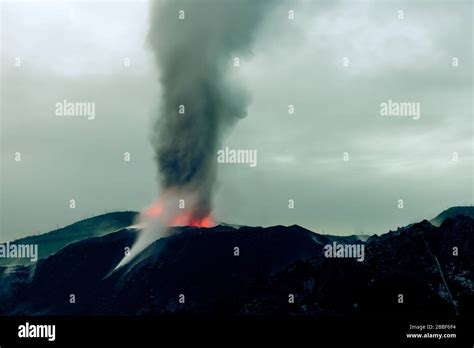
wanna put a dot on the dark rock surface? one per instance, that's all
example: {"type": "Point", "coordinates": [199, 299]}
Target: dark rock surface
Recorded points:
{"type": "Point", "coordinates": [416, 261]}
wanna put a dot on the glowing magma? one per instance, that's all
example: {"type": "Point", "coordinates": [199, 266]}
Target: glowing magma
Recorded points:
{"type": "Point", "coordinates": [181, 217]}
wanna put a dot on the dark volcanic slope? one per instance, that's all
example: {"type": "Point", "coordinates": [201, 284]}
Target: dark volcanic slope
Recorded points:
{"type": "Point", "coordinates": [452, 213]}
{"type": "Point", "coordinates": [417, 262]}
{"type": "Point", "coordinates": [51, 242]}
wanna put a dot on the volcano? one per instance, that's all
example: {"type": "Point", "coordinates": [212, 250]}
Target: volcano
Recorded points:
{"type": "Point", "coordinates": [227, 271]}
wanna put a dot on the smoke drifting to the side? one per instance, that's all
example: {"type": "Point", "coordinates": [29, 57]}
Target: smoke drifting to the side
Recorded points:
{"type": "Point", "coordinates": [194, 43]}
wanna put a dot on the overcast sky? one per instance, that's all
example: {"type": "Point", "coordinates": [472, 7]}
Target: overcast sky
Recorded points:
{"type": "Point", "coordinates": [76, 51]}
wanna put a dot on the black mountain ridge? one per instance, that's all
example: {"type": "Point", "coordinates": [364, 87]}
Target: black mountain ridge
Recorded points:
{"type": "Point", "coordinates": [199, 265]}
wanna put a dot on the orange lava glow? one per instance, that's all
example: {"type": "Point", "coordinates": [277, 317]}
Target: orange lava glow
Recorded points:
{"type": "Point", "coordinates": [184, 218]}
{"type": "Point", "coordinates": [155, 210]}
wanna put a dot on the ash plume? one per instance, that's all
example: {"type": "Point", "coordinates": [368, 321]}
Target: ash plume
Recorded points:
{"type": "Point", "coordinates": [194, 56]}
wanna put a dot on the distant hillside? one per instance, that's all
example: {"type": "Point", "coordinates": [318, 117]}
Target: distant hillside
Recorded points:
{"type": "Point", "coordinates": [272, 262]}
{"type": "Point", "coordinates": [451, 213]}
{"type": "Point", "coordinates": [51, 242]}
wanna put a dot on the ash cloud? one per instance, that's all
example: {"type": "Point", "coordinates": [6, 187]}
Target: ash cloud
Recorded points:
{"type": "Point", "coordinates": [194, 56]}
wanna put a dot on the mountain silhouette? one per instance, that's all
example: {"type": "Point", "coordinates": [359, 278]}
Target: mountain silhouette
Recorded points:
{"type": "Point", "coordinates": [51, 242]}
{"type": "Point", "coordinates": [453, 212]}
{"type": "Point", "coordinates": [226, 271]}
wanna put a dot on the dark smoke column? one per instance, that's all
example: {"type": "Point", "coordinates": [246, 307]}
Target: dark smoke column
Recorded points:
{"type": "Point", "coordinates": [194, 56]}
